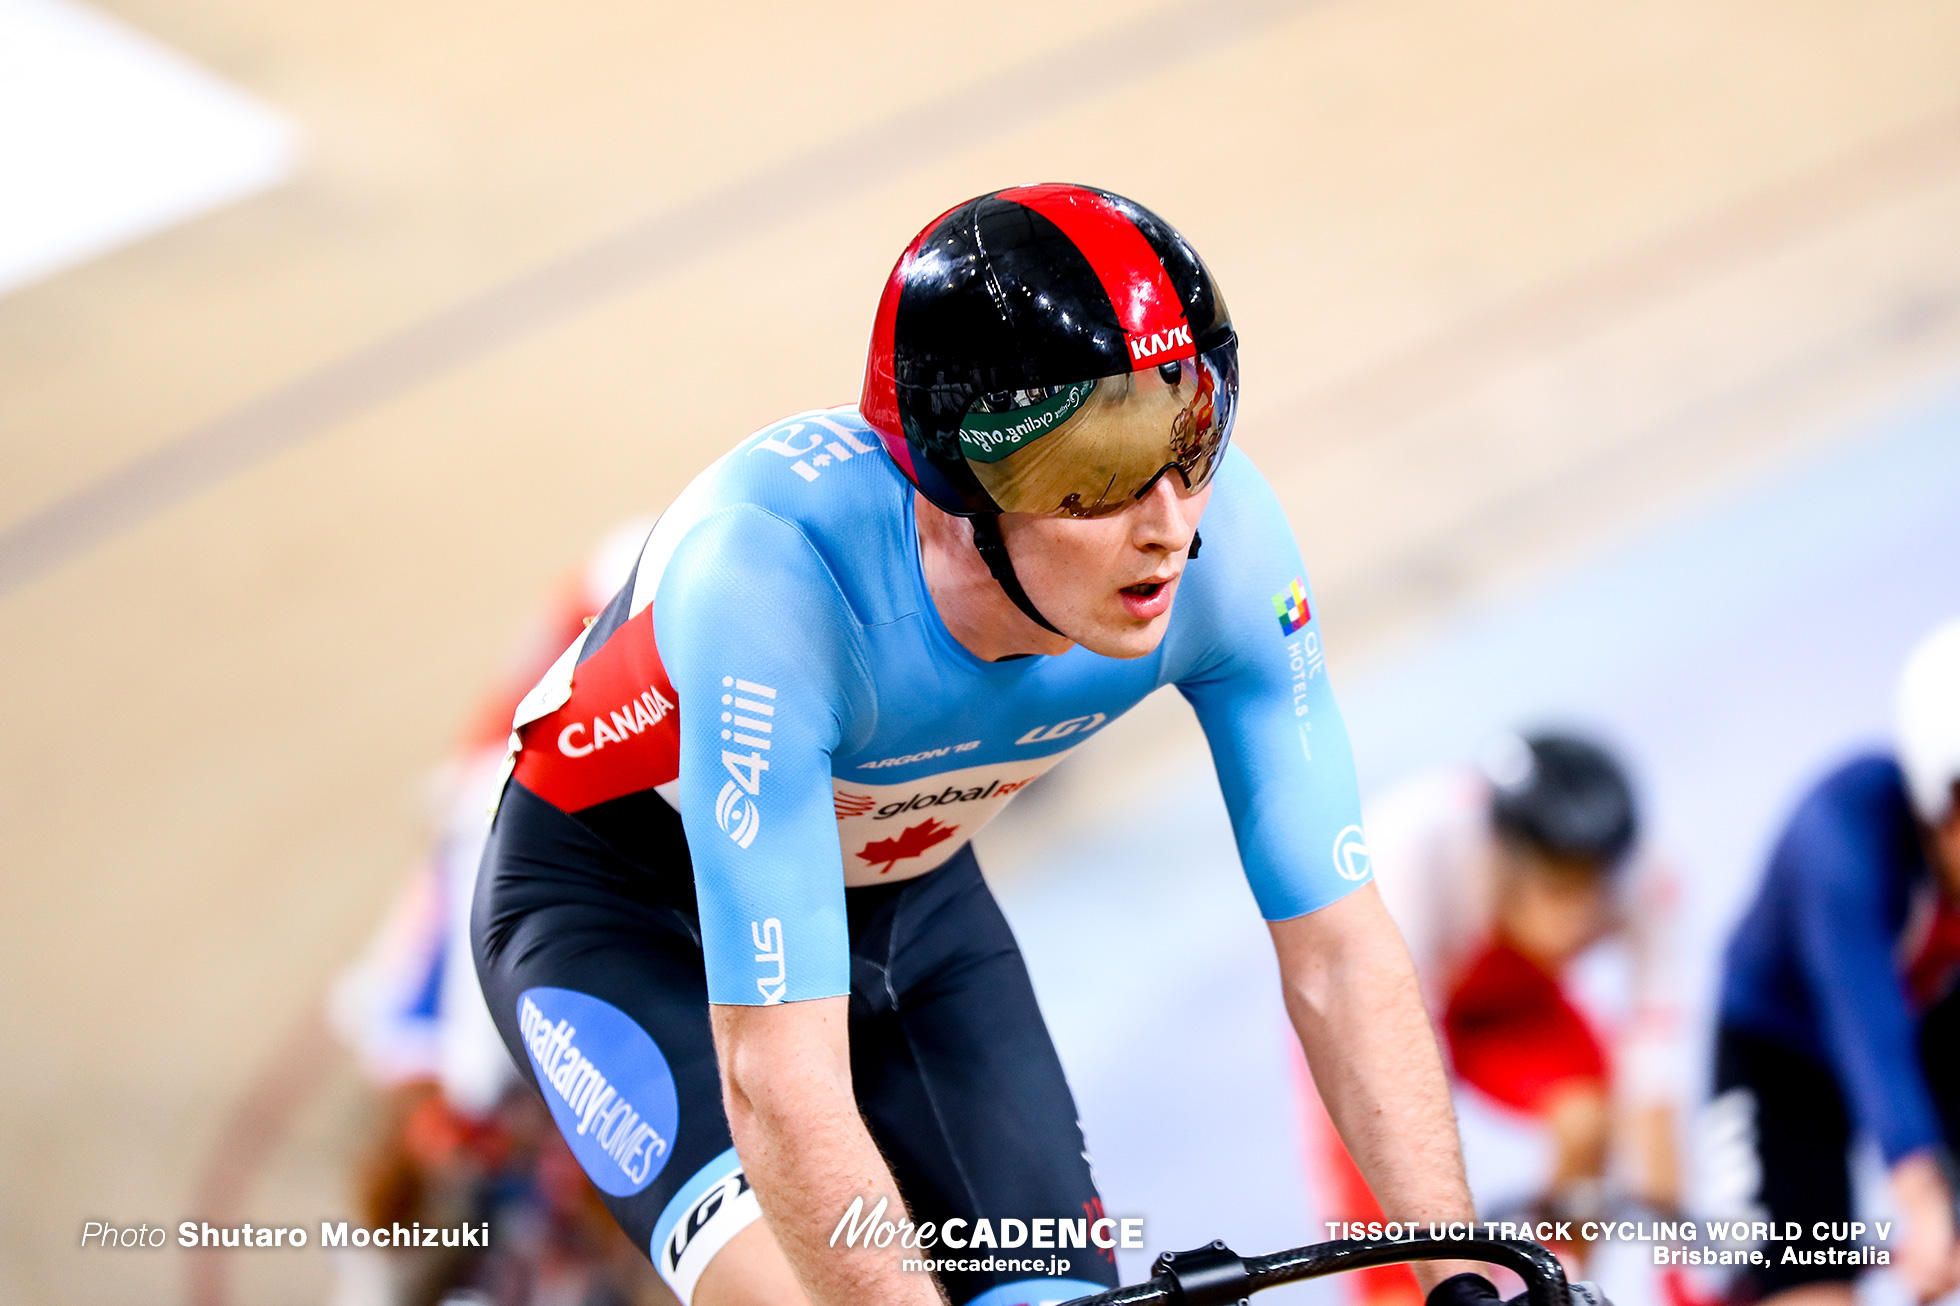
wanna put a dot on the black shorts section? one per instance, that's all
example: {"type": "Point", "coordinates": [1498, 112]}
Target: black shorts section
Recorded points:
{"type": "Point", "coordinates": [952, 1063]}
{"type": "Point", "coordinates": [1802, 1133]}
{"type": "Point", "coordinates": [557, 907]}
{"type": "Point", "coordinates": [1801, 1137]}
{"type": "Point", "coordinates": [1939, 1054]}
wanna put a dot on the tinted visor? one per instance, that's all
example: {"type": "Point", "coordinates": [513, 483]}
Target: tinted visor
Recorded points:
{"type": "Point", "coordinates": [1091, 448]}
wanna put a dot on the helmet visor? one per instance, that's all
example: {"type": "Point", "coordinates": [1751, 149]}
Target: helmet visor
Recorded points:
{"type": "Point", "coordinates": [1092, 448]}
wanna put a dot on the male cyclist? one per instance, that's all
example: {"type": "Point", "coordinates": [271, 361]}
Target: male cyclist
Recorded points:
{"type": "Point", "coordinates": [1839, 1011]}
{"type": "Point", "coordinates": [454, 1136]}
{"type": "Point", "coordinates": [1502, 876]}
{"type": "Point", "coordinates": [730, 922]}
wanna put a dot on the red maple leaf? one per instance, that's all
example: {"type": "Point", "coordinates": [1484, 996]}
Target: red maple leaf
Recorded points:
{"type": "Point", "coordinates": [912, 841]}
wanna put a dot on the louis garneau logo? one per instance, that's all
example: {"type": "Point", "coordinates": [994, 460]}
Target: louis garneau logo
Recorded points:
{"type": "Point", "coordinates": [1062, 729]}
{"type": "Point", "coordinates": [861, 1228]}
{"type": "Point", "coordinates": [1351, 857]}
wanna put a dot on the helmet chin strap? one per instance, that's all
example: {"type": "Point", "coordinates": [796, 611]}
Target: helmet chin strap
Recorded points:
{"type": "Point", "coordinates": [992, 548]}
{"type": "Point", "coordinates": [993, 551]}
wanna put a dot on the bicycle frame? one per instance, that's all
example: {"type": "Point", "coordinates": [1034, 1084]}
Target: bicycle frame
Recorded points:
{"type": "Point", "coordinates": [1217, 1276]}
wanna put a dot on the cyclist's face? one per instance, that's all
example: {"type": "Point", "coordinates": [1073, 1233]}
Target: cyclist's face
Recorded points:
{"type": "Point", "coordinates": [1946, 842]}
{"type": "Point", "coordinates": [1552, 910]}
{"type": "Point", "coordinates": [1108, 582]}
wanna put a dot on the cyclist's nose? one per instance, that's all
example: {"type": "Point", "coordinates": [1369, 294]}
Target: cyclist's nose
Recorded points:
{"type": "Point", "coordinates": [1163, 517]}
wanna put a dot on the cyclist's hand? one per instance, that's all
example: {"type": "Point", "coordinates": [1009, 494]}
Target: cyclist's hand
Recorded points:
{"type": "Point", "coordinates": [1927, 1258]}
{"type": "Point", "coordinates": [1476, 1290]}
{"type": "Point", "coordinates": [1465, 1290]}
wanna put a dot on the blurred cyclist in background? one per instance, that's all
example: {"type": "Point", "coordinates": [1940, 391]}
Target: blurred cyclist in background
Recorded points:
{"type": "Point", "coordinates": [454, 1139]}
{"type": "Point", "coordinates": [1501, 876]}
{"type": "Point", "coordinates": [1838, 1011]}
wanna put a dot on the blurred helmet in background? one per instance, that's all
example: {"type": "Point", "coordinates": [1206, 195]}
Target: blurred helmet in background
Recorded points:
{"type": "Point", "coordinates": [1564, 797]}
{"type": "Point", "coordinates": [1927, 719]}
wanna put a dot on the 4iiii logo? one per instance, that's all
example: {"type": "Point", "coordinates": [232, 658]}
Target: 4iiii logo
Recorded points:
{"type": "Point", "coordinates": [750, 722]}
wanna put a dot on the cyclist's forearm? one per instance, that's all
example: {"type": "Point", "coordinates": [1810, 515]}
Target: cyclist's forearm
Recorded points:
{"type": "Point", "coordinates": [787, 1089]}
{"type": "Point", "coordinates": [1351, 993]}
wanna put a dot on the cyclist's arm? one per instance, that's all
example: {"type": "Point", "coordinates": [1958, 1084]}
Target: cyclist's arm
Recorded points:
{"type": "Point", "coordinates": [1249, 658]}
{"type": "Point", "coordinates": [786, 1084]}
{"type": "Point", "coordinates": [1845, 937]}
{"type": "Point", "coordinates": [1351, 993]}
{"type": "Point", "coordinates": [765, 655]}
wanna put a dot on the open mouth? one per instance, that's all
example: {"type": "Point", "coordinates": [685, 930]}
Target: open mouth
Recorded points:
{"type": "Point", "coordinates": [1147, 600]}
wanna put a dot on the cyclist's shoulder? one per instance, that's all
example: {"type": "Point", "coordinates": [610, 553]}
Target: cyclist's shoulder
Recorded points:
{"type": "Point", "coordinates": [1249, 562]}
{"type": "Point", "coordinates": [1243, 507]}
{"type": "Point", "coordinates": [1865, 790]}
{"type": "Point", "coordinates": [813, 489]}
{"type": "Point", "coordinates": [1854, 823]}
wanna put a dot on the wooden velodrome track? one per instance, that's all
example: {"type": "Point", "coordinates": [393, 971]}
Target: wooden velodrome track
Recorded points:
{"type": "Point", "coordinates": [279, 484]}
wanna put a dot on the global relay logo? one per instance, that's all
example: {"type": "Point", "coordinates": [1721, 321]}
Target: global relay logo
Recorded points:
{"type": "Point", "coordinates": [1291, 604]}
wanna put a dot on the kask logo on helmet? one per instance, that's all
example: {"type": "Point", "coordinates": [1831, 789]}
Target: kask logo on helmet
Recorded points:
{"type": "Point", "coordinates": [1145, 348]}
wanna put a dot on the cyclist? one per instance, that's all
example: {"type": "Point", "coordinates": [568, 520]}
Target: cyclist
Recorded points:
{"type": "Point", "coordinates": [1501, 876]}
{"type": "Point", "coordinates": [452, 1140]}
{"type": "Point", "coordinates": [730, 922]}
{"type": "Point", "coordinates": [1838, 1010]}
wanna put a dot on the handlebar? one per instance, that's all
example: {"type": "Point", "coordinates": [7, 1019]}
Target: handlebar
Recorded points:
{"type": "Point", "coordinates": [1215, 1275]}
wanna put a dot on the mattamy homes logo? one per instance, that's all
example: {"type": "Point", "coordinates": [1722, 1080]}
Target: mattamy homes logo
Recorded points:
{"type": "Point", "coordinates": [608, 1086]}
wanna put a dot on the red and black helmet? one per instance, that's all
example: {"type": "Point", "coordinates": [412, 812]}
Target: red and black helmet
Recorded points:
{"type": "Point", "coordinates": [1051, 349]}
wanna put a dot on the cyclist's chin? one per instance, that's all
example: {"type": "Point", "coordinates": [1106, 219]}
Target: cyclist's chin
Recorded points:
{"type": "Point", "coordinates": [1114, 632]}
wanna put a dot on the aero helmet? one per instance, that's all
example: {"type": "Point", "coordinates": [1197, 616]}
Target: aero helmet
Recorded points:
{"type": "Point", "coordinates": [1928, 721]}
{"type": "Point", "coordinates": [1050, 349]}
{"type": "Point", "coordinates": [1563, 796]}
